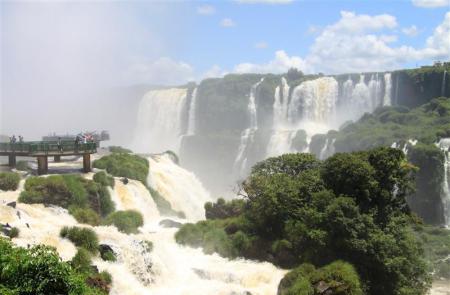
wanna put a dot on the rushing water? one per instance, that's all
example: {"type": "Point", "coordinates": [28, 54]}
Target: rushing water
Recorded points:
{"type": "Point", "coordinates": [247, 136]}
{"type": "Point", "coordinates": [444, 145]}
{"type": "Point", "coordinates": [443, 83]}
{"type": "Point", "coordinates": [159, 120]}
{"type": "Point", "coordinates": [169, 268]}
{"type": "Point", "coordinates": [192, 113]}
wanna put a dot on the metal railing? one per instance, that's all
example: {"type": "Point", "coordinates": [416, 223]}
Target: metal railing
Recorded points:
{"type": "Point", "coordinates": [45, 147]}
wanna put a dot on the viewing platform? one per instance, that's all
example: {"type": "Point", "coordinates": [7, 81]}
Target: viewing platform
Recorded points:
{"type": "Point", "coordinates": [41, 150]}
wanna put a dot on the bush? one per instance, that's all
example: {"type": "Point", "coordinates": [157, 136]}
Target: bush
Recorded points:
{"type": "Point", "coordinates": [37, 270]}
{"type": "Point", "coordinates": [22, 166]}
{"type": "Point", "coordinates": [85, 215]}
{"type": "Point", "coordinates": [119, 149]}
{"type": "Point", "coordinates": [104, 179]}
{"type": "Point", "coordinates": [163, 205]}
{"type": "Point", "coordinates": [108, 256]}
{"type": "Point", "coordinates": [81, 237]}
{"type": "Point", "coordinates": [338, 278]}
{"type": "Point", "coordinates": [9, 181]}
{"type": "Point", "coordinates": [82, 261]}
{"type": "Point", "coordinates": [46, 190]}
{"type": "Point", "coordinates": [124, 165]}
{"type": "Point", "coordinates": [126, 221]}
{"type": "Point", "coordinates": [14, 233]}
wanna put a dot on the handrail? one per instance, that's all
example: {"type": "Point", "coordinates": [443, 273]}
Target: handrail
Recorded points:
{"type": "Point", "coordinates": [48, 146]}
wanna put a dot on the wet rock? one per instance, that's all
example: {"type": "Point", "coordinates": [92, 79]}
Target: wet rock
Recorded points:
{"type": "Point", "coordinates": [323, 288]}
{"type": "Point", "coordinates": [106, 252]}
{"type": "Point", "coordinates": [125, 180]}
{"type": "Point", "coordinates": [169, 223]}
{"type": "Point", "coordinates": [12, 204]}
{"type": "Point", "coordinates": [202, 274]}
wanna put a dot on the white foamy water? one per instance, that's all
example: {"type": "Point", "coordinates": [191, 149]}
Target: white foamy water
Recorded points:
{"type": "Point", "coordinates": [192, 113]}
{"type": "Point", "coordinates": [444, 145]}
{"type": "Point", "coordinates": [247, 136]}
{"type": "Point", "coordinates": [159, 120]}
{"type": "Point", "coordinates": [169, 268]}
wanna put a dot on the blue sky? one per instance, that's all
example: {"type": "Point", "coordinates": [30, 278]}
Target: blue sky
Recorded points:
{"type": "Point", "coordinates": [172, 42]}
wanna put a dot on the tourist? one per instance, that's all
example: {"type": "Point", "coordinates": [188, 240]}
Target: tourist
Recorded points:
{"type": "Point", "coordinates": [59, 144]}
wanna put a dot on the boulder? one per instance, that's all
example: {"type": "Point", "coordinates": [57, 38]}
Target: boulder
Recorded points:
{"type": "Point", "coordinates": [12, 204]}
{"type": "Point", "coordinates": [124, 180]}
{"type": "Point", "coordinates": [169, 223]}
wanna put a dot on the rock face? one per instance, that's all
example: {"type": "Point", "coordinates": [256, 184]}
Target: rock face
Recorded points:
{"type": "Point", "coordinates": [106, 252]}
{"type": "Point", "coordinates": [169, 223]}
{"type": "Point", "coordinates": [12, 204]}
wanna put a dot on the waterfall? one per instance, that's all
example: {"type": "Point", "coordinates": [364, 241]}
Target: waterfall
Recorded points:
{"type": "Point", "coordinates": [192, 113]}
{"type": "Point", "coordinates": [396, 89]}
{"type": "Point", "coordinates": [180, 187]}
{"type": "Point", "coordinates": [387, 89]}
{"type": "Point", "coordinates": [327, 149]}
{"type": "Point", "coordinates": [314, 100]}
{"type": "Point", "coordinates": [167, 269]}
{"type": "Point", "coordinates": [159, 120]}
{"type": "Point", "coordinates": [443, 84]}
{"type": "Point", "coordinates": [375, 92]}
{"type": "Point", "coordinates": [444, 145]}
{"type": "Point", "coordinates": [240, 164]}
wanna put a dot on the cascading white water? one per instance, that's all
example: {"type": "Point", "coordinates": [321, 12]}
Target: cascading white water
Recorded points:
{"type": "Point", "coordinates": [159, 120]}
{"type": "Point", "coordinates": [443, 83]}
{"type": "Point", "coordinates": [179, 187]}
{"type": "Point", "coordinates": [444, 145]}
{"type": "Point", "coordinates": [314, 101]}
{"type": "Point", "coordinates": [327, 149]}
{"type": "Point", "coordinates": [167, 269]}
{"type": "Point", "coordinates": [375, 92]}
{"type": "Point", "coordinates": [240, 163]}
{"type": "Point", "coordinates": [192, 113]}
{"type": "Point", "coordinates": [387, 89]}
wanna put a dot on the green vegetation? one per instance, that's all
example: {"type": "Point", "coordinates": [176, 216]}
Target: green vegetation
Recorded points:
{"type": "Point", "coordinates": [173, 156]}
{"type": "Point", "coordinates": [103, 179]}
{"type": "Point", "coordinates": [336, 278]}
{"type": "Point", "coordinates": [39, 270]}
{"type": "Point", "coordinates": [85, 199]}
{"type": "Point", "coordinates": [14, 233]}
{"type": "Point", "coordinates": [347, 216]}
{"type": "Point", "coordinates": [119, 150]}
{"type": "Point", "coordinates": [124, 165]}
{"type": "Point", "coordinates": [22, 166]}
{"type": "Point", "coordinates": [81, 237]}
{"type": "Point", "coordinates": [126, 221]}
{"type": "Point", "coordinates": [436, 242]}
{"type": "Point", "coordinates": [386, 125]}
{"type": "Point", "coordinates": [9, 181]}
{"type": "Point", "coordinates": [163, 205]}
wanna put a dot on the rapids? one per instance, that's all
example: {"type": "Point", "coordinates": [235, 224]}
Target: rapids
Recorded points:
{"type": "Point", "coordinates": [167, 269]}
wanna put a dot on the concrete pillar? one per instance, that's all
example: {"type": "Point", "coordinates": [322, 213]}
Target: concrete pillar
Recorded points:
{"type": "Point", "coordinates": [42, 165]}
{"type": "Point", "coordinates": [57, 159]}
{"type": "Point", "coordinates": [12, 160]}
{"type": "Point", "coordinates": [87, 163]}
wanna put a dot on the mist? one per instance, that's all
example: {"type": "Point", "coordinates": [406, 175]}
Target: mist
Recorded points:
{"type": "Point", "coordinates": [71, 67]}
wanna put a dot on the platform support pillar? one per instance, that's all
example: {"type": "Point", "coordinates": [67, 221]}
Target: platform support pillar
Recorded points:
{"type": "Point", "coordinates": [12, 160]}
{"type": "Point", "coordinates": [57, 159]}
{"type": "Point", "coordinates": [86, 163]}
{"type": "Point", "coordinates": [42, 165]}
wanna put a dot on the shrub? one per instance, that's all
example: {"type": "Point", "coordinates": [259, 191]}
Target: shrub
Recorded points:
{"type": "Point", "coordinates": [104, 179]}
{"type": "Point", "coordinates": [46, 190]}
{"type": "Point", "coordinates": [82, 261]}
{"type": "Point", "coordinates": [9, 181]}
{"type": "Point", "coordinates": [81, 237]}
{"type": "Point", "coordinates": [85, 215]}
{"type": "Point", "coordinates": [22, 166]}
{"type": "Point", "coordinates": [37, 270]}
{"type": "Point", "coordinates": [126, 221]}
{"type": "Point", "coordinates": [14, 233]}
{"type": "Point", "coordinates": [124, 165]}
{"type": "Point", "coordinates": [119, 149]}
{"type": "Point", "coordinates": [108, 256]}
{"type": "Point", "coordinates": [163, 205]}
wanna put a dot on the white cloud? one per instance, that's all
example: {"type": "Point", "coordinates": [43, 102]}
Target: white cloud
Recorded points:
{"type": "Point", "coordinates": [280, 64]}
{"type": "Point", "coordinates": [206, 10]}
{"type": "Point", "coordinates": [264, 1]}
{"type": "Point", "coordinates": [227, 22]}
{"type": "Point", "coordinates": [261, 45]}
{"type": "Point", "coordinates": [411, 31]}
{"type": "Point", "coordinates": [313, 30]}
{"type": "Point", "coordinates": [214, 72]}
{"type": "Point", "coordinates": [163, 71]}
{"type": "Point", "coordinates": [359, 43]}
{"type": "Point", "coordinates": [431, 3]}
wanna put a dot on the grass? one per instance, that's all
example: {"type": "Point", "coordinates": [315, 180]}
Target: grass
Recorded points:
{"type": "Point", "coordinates": [126, 221]}
{"type": "Point", "coordinates": [81, 237]}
